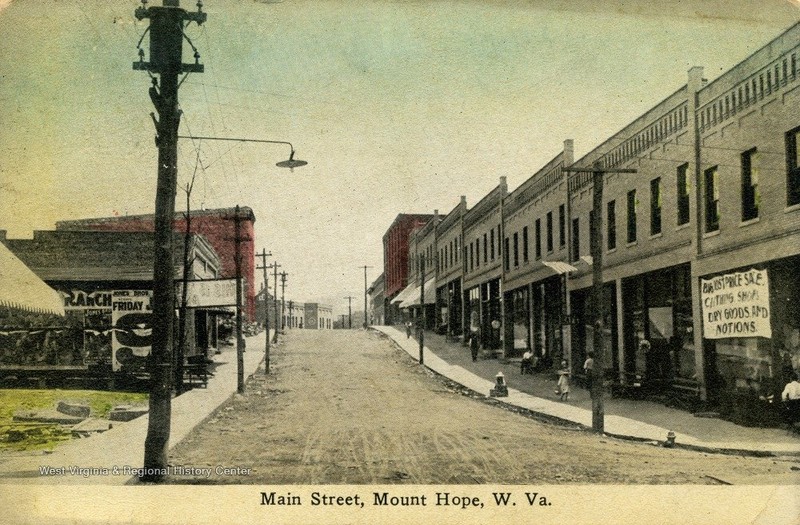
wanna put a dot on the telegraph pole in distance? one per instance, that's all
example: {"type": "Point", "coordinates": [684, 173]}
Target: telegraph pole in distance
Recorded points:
{"type": "Point", "coordinates": [596, 243]}
{"type": "Point", "coordinates": [283, 301]}
{"type": "Point", "coordinates": [366, 320]}
{"type": "Point", "coordinates": [349, 311]}
{"type": "Point", "coordinates": [263, 255]}
{"type": "Point", "coordinates": [166, 46]}
{"type": "Point", "coordinates": [275, 267]}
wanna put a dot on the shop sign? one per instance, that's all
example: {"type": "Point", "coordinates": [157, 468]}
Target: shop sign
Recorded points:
{"type": "Point", "coordinates": [131, 315]}
{"type": "Point", "coordinates": [80, 300]}
{"type": "Point", "coordinates": [736, 305]}
{"type": "Point", "coordinates": [204, 294]}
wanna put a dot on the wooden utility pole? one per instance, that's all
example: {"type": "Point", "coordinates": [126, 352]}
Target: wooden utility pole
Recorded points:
{"type": "Point", "coordinates": [239, 337]}
{"type": "Point", "coordinates": [275, 267]}
{"type": "Point", "coordinates": [349, 311]}
{"type": "Point", "coordinates": [263, 255]}
{"type": "Point", "coordinates": [596, 249]}
{"type": "Point", "coordinates": [422, 305]}
{"type": "Point", "coordinates": [166, 41]}
{"type": "Point", "coordinates": [366, 319]}
{"type": "Point", "coordinates": [283, 301]}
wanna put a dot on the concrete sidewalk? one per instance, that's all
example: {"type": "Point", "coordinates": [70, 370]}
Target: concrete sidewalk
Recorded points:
{"type": "Point", "coordinates": [626, 418]}
{"type": "Point", "coordinates": [122, 448]}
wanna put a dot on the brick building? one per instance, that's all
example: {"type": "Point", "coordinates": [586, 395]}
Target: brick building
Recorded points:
{"type": "Point", "coordinates": [218, 226]}
{"type": "Point", "coordinates": [700, 246]}
{"type": "Point", "coordinates": [395, 258]}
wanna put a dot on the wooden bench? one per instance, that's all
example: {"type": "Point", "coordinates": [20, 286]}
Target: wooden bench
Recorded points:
{"type": "Point", "coordinates": [196, 369]}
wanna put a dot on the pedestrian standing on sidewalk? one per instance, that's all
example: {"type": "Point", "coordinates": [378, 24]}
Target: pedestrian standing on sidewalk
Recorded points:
{"type": "Point", "coordinates": [563, 381]}
{"type": "Point", "coordinates": [791, 399]}
{"type": "Point", "coordinates": [792, 390]}
{"type": "Point", "coordinates": [473, 344]}
{"type": "Point", "coordinates": [408, 330]}
{"type": "Point", "coordinates": [588, 369]}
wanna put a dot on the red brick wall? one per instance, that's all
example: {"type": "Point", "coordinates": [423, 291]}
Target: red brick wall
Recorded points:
{"type": "Point", "coordinates": [395, 246]}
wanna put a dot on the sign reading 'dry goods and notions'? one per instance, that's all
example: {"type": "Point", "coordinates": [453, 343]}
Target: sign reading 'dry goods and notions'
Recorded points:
{"type": "Point", "coordinates": [736, 305]}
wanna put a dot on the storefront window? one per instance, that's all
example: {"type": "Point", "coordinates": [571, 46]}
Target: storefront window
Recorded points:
{"type": "Point", "coordinates": [520, 304]}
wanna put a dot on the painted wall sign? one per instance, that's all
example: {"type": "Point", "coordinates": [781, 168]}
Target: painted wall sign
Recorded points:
{"type": "Point", "coordinates": [203, 294]}
{"type": "Point", "coordinates": [81, 300]}
{"type": "Point", "coordinates": [736, 305]}
{"type": "Point", "coordinates": [131, 314]}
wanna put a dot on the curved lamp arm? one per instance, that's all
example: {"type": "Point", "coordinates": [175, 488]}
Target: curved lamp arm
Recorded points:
{"type": "Point", "coordinates": [291, 163]}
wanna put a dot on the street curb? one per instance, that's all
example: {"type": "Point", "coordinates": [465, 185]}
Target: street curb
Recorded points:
{"type": "Point", "coordinates": [564, 422]}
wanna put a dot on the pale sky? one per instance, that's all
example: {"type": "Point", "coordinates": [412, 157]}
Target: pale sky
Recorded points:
{"type": "Point", "coordinates": [399, 107]}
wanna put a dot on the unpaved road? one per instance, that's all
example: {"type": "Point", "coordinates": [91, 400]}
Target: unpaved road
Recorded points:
{"type": "Point", "coordinates": [348, 407]}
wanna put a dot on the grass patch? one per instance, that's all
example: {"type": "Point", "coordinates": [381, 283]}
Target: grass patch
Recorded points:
{"type": "Point", "coordinates": [20, 436]}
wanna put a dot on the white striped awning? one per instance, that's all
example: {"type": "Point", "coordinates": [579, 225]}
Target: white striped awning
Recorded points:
{"type": "Point", "coordinates": [430, 295]}
{"type": "Point", "coordinates": [559, 267]}
{"type": "Point", "coordinates": [22, 289]}
{"type": "Point", "coordinates": [405, 294]}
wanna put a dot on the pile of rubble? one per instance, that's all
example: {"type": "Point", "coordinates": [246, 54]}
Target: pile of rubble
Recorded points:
{"type": "Point", "coordinates": [68, 419]}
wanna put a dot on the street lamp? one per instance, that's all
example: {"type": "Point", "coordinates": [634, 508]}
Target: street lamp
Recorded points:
{"type": "Point", "coordinates": [291, 163]}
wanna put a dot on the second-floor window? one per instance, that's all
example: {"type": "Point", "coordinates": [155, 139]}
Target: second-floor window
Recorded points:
{"type": "Point", "coordinates": [525, 244]}
{"type": "Point", "coordinates": [711, 199]}
{"type": "Point", "coordinates": [683, 193]}
{"type": "Point", "coordinates": [516, 249]}
{"type": "Point", "coordinates": [655, 206]}
{"type": "Point", "coordinates": [632, 216]}
{"type": "Point", "coordinates": [792, 167]}
{"type": "Point", "coordinates": [538, 239]}
{"type": "Point", "coordinates": [485, 250]}
{"type": "Point", "coordinates": [505, 254]}
{"type": "Point", "coordinates": [611, 234]}
{"type": "Point", "coordinates": [562, 226]}
{"type": "Point", "coordinates": [576, 240]}
{"type": "Point", "coordinates": [750, 194]}
{"type": "Point", "coordinates": [491, 240]}
{"type": "Point", "coordinates": [549, 231]}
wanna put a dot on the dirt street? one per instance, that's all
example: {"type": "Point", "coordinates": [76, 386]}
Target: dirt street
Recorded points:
{"type": "Point", "coordinates": [348, 407]}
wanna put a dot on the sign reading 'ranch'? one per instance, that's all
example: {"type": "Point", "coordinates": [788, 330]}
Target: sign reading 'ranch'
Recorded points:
{"type": "Point", "coordinates": [736, 305]}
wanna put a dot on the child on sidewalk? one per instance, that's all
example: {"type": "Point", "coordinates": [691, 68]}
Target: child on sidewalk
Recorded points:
{"type": "Point", "coordinates": [563, 381]}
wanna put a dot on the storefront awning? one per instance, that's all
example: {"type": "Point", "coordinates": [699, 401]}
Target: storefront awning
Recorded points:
{"type": "Point", "coordinates": [22, 289]}
{"type": "Point", "coordinates": [559, 267]}
{"type": "Point", "coordinates": [430, 295]}
{"type": "Point", "coordinates": [405, 294]}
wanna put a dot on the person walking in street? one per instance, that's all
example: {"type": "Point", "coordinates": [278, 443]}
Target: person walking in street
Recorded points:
{"type": "Point", "coordinates": [563, 381]}
{"type": "Point", "coordinates": [588, 369]}
{"type": "Point", "coordinates": [408, 330]}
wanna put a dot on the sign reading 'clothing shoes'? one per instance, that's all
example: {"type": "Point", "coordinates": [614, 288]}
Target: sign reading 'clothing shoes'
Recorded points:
{"type": "Point", "coordinates": [736, 305]}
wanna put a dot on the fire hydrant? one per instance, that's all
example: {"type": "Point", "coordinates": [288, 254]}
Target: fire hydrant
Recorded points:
{"type": "Point", "coordinates": [500, 388]}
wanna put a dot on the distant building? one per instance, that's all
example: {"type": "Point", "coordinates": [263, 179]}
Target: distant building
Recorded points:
{"type": "Point", "coordinates": [218, 226]}
{"type": "Point", "coordinates": [376, 301]}
{"type": "Point", "coordinates": [318, 316]}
